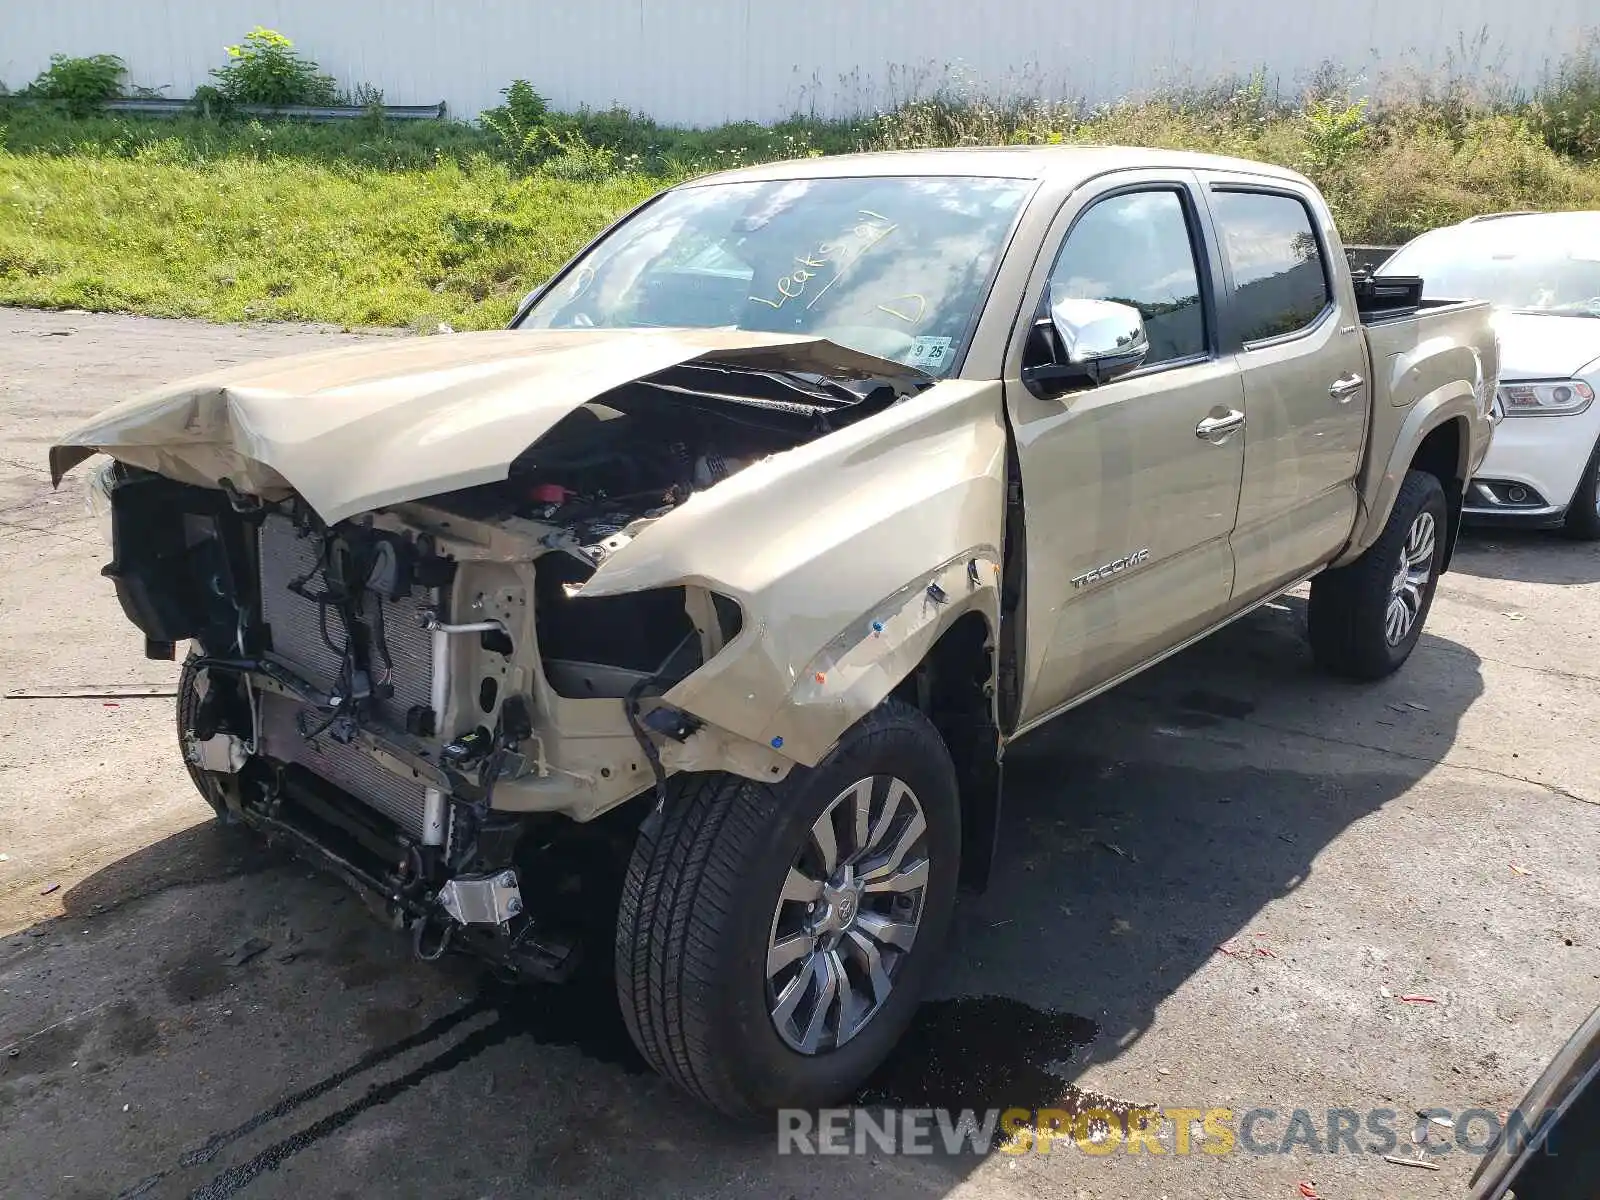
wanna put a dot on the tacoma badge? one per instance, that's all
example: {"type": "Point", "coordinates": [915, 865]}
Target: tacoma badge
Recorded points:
{"type": "Point", "coordinates": [1137, 559]}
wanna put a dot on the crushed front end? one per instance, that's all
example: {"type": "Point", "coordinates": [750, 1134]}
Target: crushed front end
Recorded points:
{"type": "Point", "coordinates": [318, 702]}
{"type": "Point", "coordinates": [418, 695]}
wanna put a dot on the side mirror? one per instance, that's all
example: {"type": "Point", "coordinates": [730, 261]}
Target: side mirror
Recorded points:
{"type": "Point", "coordinates": [1100, 340]}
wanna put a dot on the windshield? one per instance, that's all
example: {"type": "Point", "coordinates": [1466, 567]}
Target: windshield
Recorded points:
{"type": "Point", "coordinates": [1539, 264]}
{"type": "Point", "coordinates": [891, 266]}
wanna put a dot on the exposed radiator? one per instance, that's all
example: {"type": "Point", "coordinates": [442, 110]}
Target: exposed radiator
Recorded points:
{"type": "Point", "coordinates": [351, 768]}
{"type": "Point", "coordinates": [297, 626]}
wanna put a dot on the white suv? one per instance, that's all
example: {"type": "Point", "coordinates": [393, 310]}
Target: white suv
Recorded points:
{"type": "Point", "coordinates": [1542, 273]}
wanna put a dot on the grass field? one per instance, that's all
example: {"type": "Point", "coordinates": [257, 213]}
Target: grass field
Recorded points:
{"type": "Point", "coordinates": [413, 224]}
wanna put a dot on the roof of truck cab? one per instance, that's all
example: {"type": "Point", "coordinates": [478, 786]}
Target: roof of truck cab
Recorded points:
{"type": "Point", "coordinates": [1062, 163]}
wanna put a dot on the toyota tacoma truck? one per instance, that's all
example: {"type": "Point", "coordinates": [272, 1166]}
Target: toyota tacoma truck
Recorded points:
{"type": "Point", "coordinates": [686, 622]}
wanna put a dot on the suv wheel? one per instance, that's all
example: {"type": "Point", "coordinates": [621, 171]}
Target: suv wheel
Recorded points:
{"type": "Point", "coordinates": [773, 941]}
{"type": "Point", "coordinates": [1364, 619]}
{"type": "Point", "coordinates": [1583, 514]}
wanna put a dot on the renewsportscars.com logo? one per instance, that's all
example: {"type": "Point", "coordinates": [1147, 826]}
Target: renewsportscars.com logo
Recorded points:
{"type": "Point", "coordinates": [1431, 1132]}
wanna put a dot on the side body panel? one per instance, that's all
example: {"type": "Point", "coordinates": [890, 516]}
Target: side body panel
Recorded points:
{"type": "Point", "coordinates": [1127, 510]}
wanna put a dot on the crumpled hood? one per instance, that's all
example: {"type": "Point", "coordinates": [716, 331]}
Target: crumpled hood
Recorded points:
{"type": "Point", "coordinates": [1545, 347]}
{"type": "Point", "coordinates": [359, 427]}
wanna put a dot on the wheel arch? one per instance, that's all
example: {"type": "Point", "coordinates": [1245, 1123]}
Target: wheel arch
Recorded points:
{"type": "Point", "coordinates": [1443, 453]}
{"type": "Point", "coordinates": [1437, 437]}
{"type": "Point", "coordinates": [954, 686]}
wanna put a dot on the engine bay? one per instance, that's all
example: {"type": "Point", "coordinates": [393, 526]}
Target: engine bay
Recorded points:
{"type": "Point", "coordinates": [639, 451]}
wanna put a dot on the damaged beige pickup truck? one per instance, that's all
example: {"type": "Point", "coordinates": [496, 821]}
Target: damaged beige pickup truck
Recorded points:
{"type": "Point", "coordinates": [685, 623]}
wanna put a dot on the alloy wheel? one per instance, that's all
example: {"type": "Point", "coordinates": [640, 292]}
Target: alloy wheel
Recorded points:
{"type": "Point", "coordinates": [1409, 586]}
{"type": "Point", "coordinates": [848, 916]}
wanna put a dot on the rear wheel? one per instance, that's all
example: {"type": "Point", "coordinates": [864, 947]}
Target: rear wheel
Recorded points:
{"type": "Point", "coordinates": [1583, 514]}
{"type": "Point", "coordinates": [1364, 619]}
{"type": "Point", "coordinates": [773, 941]}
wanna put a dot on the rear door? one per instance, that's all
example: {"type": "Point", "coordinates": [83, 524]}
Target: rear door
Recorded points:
{"type": "Point", "coordinates": [1130, 488]}
{"type": "Point", "coordinates": [1288, 313]}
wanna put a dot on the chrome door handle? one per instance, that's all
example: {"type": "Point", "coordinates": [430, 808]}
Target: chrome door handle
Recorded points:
{"type": "Point", "coordinates": [1219, 429]}
{"type": "Point", "coordinates": [1342, 389]}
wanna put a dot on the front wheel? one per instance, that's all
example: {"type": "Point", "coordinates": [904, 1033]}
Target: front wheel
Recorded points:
{"type": "Point", "coordinates": [192, 723]}
{"type": "Point", "coordinates": [1582, 522]}
{"type": "Point", "coordinates": [1364, 619]}
{"type": "Point", "coordinates": [774, 941]}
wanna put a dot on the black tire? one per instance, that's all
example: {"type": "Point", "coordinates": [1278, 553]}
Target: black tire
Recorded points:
{"type": "Point", "coordinates": [698, 909]}
{"type": "Point", "coordinates": [1349, 610]}
{"type": "Point", "coordinates": [1582, 522]}
{"type": "Point", "coordinates": [188, 707]}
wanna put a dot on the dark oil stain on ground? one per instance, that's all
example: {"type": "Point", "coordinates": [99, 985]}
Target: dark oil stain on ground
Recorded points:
{"type": "Point", "coordinates": [583, 1015]}
{"type": "Point", "coordinates": [116, 1031]}
{"type": "Point", "coordinates": [384, 1023]}
{"type": "Point", "coordinates": [198, 977]}
{"type": "Point", "coordinates": [127, 1032]}
{"type": "Point", "coordinates": [364, 956]}
{"type": "Point", "coordinates": [45, 1051]}
{"type": "Point", "coordinates": [986, 1052]}
{"type": "Point", "coordinates": [1212, 704]}
{"type": "Point", "coordinates": [979, 1053]}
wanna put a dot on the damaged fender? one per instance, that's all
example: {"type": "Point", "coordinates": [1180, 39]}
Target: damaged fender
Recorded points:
{"type": "Point", "coordinates": [849, 557]}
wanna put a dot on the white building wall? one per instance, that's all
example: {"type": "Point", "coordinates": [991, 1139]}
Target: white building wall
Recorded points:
{"type": "Point", "coordinates": [703, 62]}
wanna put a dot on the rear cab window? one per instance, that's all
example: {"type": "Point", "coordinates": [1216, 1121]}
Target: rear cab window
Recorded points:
{"type": "Point", "coordinates": [1276, 260]}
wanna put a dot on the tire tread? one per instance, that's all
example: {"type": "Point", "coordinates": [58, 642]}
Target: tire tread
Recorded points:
{"type": "Point", "coordinates": [1347, 603]}
{"type": "Point", "coordinates": [678, 900]}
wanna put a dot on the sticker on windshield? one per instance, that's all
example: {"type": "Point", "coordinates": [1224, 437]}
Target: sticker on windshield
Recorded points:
{"type": "Point", "coordinates": [930, 353]}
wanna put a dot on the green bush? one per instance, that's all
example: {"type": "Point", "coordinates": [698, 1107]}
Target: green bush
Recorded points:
{"type": "Point", "coordinates": [266, 69]}
{"type": "Point", "coordinates": [82, 84]}
{"type": "Point", "coordinates": [1336, 131]}
{"type": "Point", "coordinates": [518, 125]}
{"type": "Point", "coordinates": [577, 161]}
{"type": "Point", "coordinates": [1566, 111]}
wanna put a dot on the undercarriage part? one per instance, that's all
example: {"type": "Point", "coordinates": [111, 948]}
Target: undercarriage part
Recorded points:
{"type": "Point", "coordinates": [482, 899]}
{"type": "Point", "coordinates": [526, 930]}
{"type": "Point", "coordinates": [221, 753]}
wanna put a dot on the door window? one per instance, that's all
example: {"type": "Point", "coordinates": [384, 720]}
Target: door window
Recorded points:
{"type": "Point", "coordinates": [1280, 281]}
{"type": "Point", "coordinates": [1135, 248]}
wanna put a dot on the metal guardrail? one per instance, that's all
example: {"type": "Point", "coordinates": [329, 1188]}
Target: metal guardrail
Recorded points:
{"type": "Point", "coordinates": [162, 107]}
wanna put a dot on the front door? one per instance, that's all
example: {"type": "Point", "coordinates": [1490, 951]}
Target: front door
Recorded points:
{"type": "Point", "coordinates": [1130, 488]}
